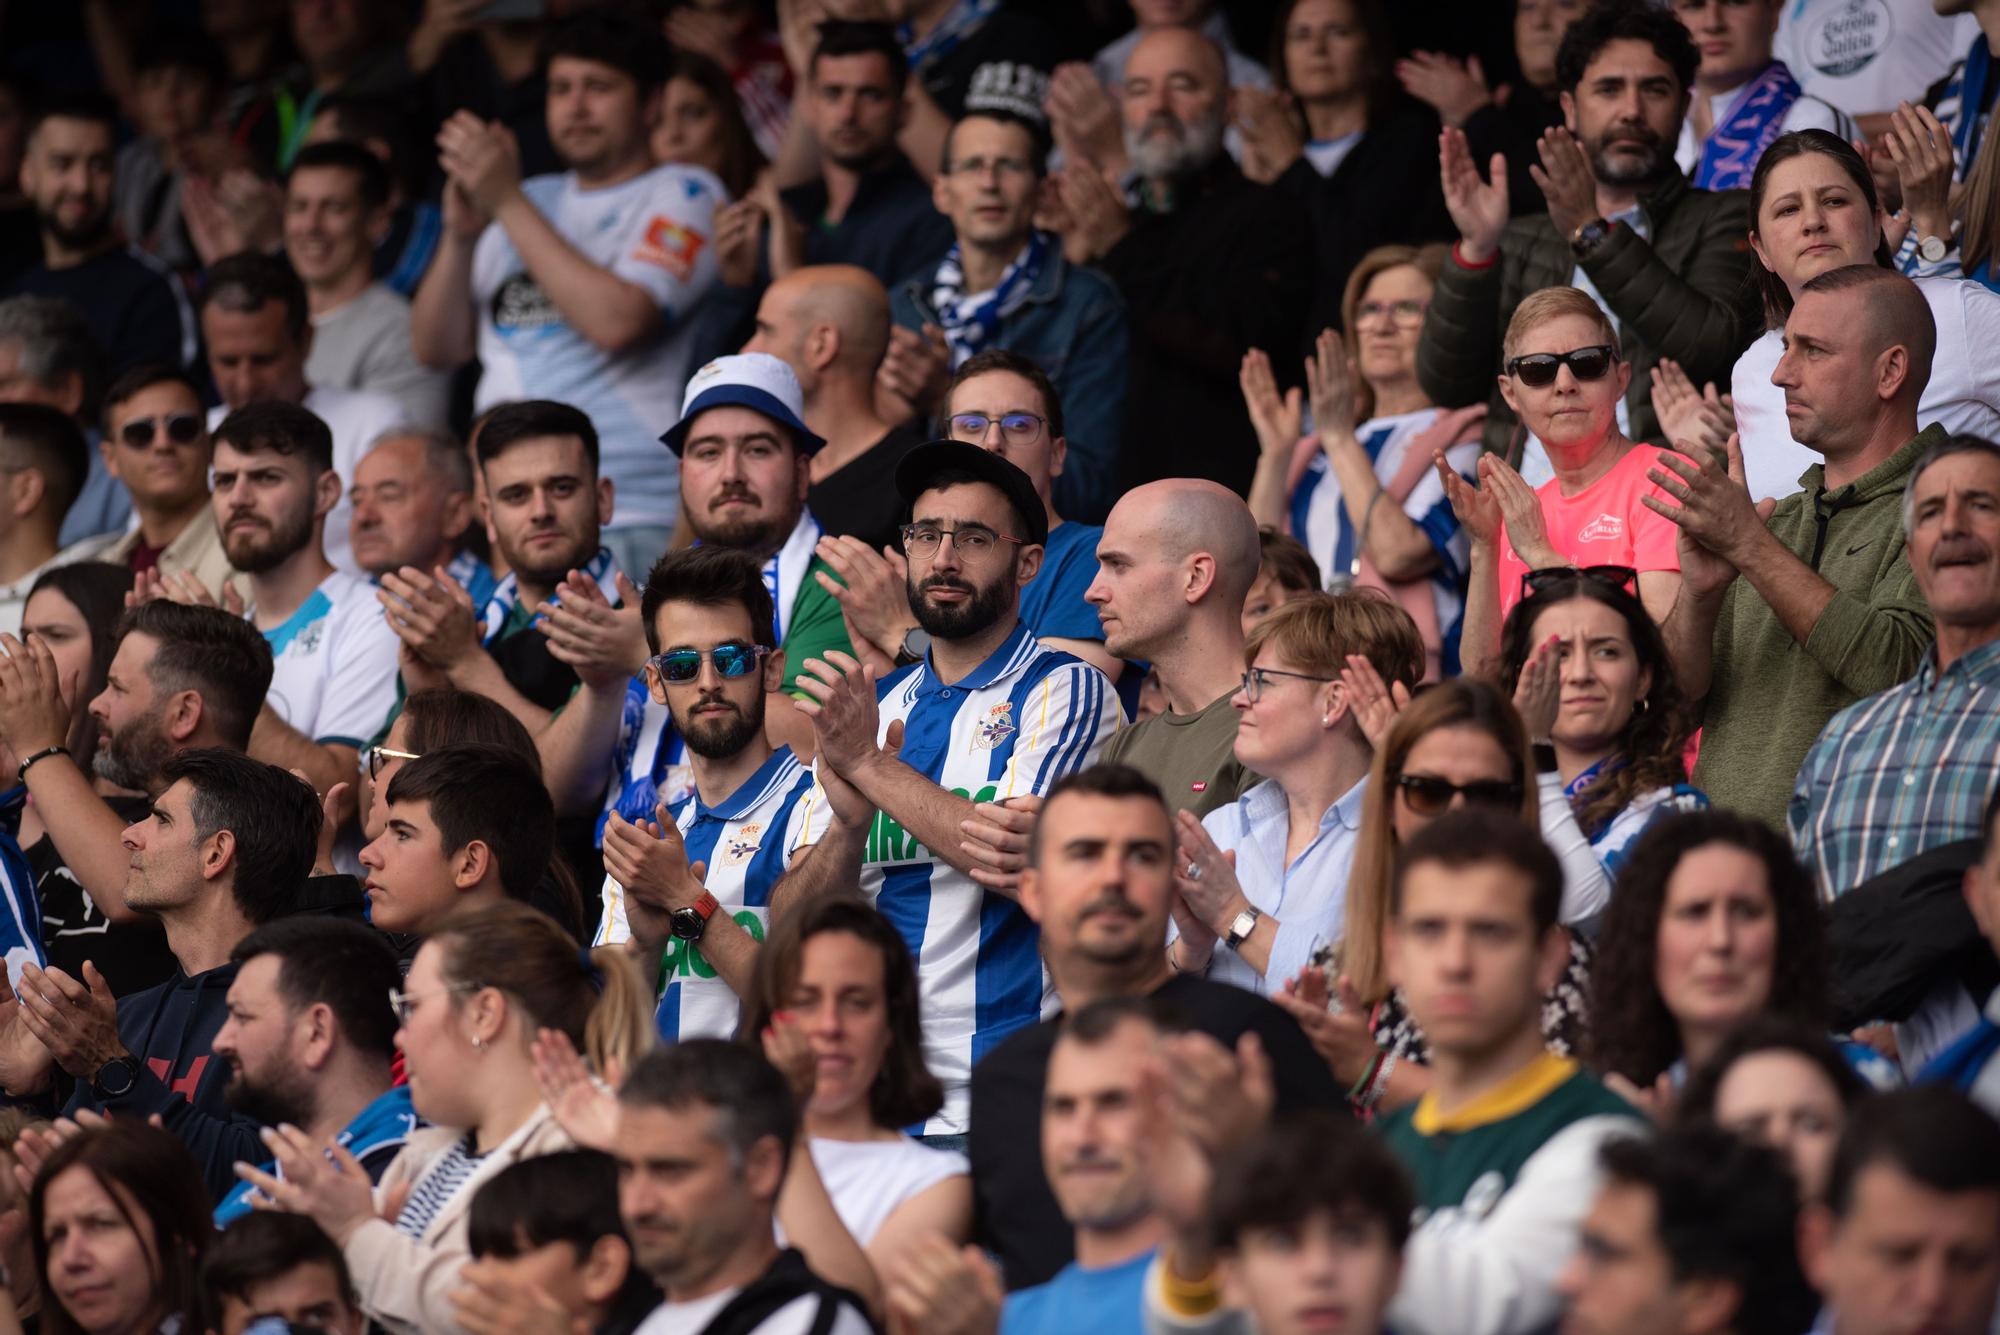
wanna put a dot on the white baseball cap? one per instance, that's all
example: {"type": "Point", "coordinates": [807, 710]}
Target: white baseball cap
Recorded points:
{"type": "Point", "coordinates": [754, 380]}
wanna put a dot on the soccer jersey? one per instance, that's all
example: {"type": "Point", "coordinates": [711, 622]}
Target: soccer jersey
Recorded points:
{"type": "Point", "coordinates": [1012, 726]}
{"type": "Point", "coordinates": [746, 841]}
{"type": "Point", "coordinates": [652, 231]}
{"type": "Point", "coordinates": [333, 672]}
{"type": "Point", "coordinates": [1320, 520]}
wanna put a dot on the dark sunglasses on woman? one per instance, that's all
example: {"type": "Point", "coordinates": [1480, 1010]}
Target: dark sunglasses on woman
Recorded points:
{"type": "Point", "coordinates": [1538, 370]}
{"type": "Point", "coordinates": [1429, 795]}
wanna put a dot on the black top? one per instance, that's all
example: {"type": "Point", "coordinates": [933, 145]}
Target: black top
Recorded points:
{"type": "Point", "coordinates": [1003, 65]}
{"type": "Point", "coordinates": [890, 227]}
{"type": "Point", "coordinates": [20, 241]}
{"type": "Point", "coordinates": [132, 307]}
{"type": "Point", "coordinates": [859, 497]}
{"type": "Point", "coordinates": [465, 77]}
{"type": "Point", "coordinates": [1014, 1211]}
{"type": "Point", "coordinates": [1229, 269]}
{"type": "Point", "coordinates": [131, 956]}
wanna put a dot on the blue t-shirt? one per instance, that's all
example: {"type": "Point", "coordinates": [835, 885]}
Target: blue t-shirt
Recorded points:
{"type": "Point", "coordinates": [1053, 605]}
{"type": "Point", "coordinates": [1110, 1301]}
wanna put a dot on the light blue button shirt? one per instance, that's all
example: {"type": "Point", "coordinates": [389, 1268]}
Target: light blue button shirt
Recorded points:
{"type": "Point", "coordinates": [1308, 898]}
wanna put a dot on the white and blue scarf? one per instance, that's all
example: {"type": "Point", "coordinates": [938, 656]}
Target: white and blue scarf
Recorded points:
{"type": "Point", "coordinates": [971, 319]}
{"type": "Point", "coordinates": [507, 593]}
{"type": "Point", "coordinates": [964, 20]}
{"type": "Point", "coordinates": [1729, 154]}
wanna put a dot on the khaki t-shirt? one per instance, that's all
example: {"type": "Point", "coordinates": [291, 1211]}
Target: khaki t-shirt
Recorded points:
{"type": "Point", "coordinates": [1191, 756]}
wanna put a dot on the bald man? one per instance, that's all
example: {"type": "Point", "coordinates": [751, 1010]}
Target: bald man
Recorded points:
{"type": "Point", "coordinates": [1176, 560]}
{"type": "Point", "coordinates": [1213, 266]}
{"type": "Point", "coordinates": [830, 324]}
{"type": "Point", "coordinates": [1826, 573]}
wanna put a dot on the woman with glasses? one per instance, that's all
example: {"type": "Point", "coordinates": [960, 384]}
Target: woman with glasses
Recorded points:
{"type": "Point", "coordinates": [1591, 677]}
{"type": "Point", "coordinates": [482, 988]}
{"type": "Point", "coordinates": [1459, 742]}
{"type": "Point", "coordinates": [1262, 879]}
{"type": "Point", "coordinates": [1358, 489]}
{"type": "Point", "coordinates": [1813, 209]}
{"type": "Point", "coordinates": [1564, 379]}
{"type": "Point", "coordinates": [1714, 923]}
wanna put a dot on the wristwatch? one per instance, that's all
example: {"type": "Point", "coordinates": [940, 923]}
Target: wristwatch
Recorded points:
{"type": "Point", "coordinates": [1241, 926]}
{"type": "Point", "coordinates": [916, 643]}
{"type": "Point", "coordinates": [689, 923]}
{"type": "Point", "coordinates": [1589, 237]}
{"type": "Point", "coordinates": [1932, 249]}
{"type": "Point", "coordinates": [115, 1078]}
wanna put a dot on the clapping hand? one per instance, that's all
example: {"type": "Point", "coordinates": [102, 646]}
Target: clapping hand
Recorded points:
{"type": "Point", "coordinates": [1338, 1032]}
{"type": "Point", "coordinates": [604, 644]}
{"type": "Point", "coordinates": [650, 860]}
{"type": "Point", "coordinates": [326, 1183]}
{"type": "Point", "coordinates": [1538, 692]}
{"type": "Point", "coordinates": [431, 614]}
{"type": "Point", "coordinates": [584, 1106]}
{"type": "Point", "coordinates": [1714, 510]}
{"type": "Point", "coordinates": [1690, 417]}
{"type": "Point", "coordinates": [34, 704]}
{"type": "Point", "coordinates": [1920, 147]}
{"type": "Point", "coordinates": [1566, 181]}
{"type": "Point", "coordinates": [996, 837]}
{"type": "Point", "coordinates": [940, 1288]}
{"type": "Point", "coordinates": [1330, 387]}
{"type": "Point", "coordinates": [1478, 207]}
{"type": "Point", "coordinates": [1373, 702]}
{"type": "Point", "coordinates": [1277, 420]}
{"type": "Point", "coordinates": [1454, 88]}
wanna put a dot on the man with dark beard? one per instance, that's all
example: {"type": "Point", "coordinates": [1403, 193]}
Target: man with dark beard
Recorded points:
{"type": "Point", "coordinates": [133, 305]}
{"type": "Point", "coordinates": [1667, 261]}
{"type": "Point", "coordinates": [310, 1038]}
{"type": "Point", "coordinates": [987, 714]}
{"type": "Point", "coordinates": [708, 623]}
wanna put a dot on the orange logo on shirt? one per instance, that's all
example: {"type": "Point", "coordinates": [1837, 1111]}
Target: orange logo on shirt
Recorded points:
{"type": "Point", "coordinates": [671, 246]}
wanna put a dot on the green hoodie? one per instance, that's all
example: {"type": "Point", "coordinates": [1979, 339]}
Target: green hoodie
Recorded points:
{"type": "Point", "coordinates": [1771, 695]}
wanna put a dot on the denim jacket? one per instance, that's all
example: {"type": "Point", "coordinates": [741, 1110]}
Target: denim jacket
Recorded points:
{"type": "Point", "coordinates": [1072, 325]}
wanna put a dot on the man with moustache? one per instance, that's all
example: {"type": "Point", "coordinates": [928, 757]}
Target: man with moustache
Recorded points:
{"type": "Point", "coordinates": [310, 1038]}
{"type": "Point", "coordinates": [724, 845]}
{"type": "Point", "coordinates": [989, 713]}
{"type": "Point", "coordinates": [1667, 261]}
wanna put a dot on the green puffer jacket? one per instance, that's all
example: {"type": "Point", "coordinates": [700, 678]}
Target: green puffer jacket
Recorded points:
{"type": "Point", "coordinates": [1690, 295]}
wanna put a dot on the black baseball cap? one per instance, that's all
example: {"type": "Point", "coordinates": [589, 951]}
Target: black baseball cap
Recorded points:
{"type": "Point", "coordinates": [919, 466]}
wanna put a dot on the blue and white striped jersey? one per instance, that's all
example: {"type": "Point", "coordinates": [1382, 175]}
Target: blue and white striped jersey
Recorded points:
{"type": "Point", "coordinates": [746, 841]}
{"type": "Point", "coordinates": [1021, 720]}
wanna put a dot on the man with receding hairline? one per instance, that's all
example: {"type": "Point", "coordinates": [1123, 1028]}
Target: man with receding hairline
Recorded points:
{"type": "Point", "coordinates": [830, 324]}
{"type": "Point", "coordinates": [1176, 560]}
{"type": "Point", "coordinates": [1824, 570]}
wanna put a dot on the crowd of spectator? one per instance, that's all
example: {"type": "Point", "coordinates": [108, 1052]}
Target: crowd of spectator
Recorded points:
{"type": "Point", "coordinates": [1000, 667]}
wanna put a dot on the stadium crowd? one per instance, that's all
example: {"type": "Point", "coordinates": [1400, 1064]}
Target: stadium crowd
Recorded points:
{"type": "Point", "coordinates": [1000, 667]}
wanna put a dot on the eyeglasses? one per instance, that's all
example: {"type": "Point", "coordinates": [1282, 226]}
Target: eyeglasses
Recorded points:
{"type": "Point", "coordinates": [972, 541]}
{"type": "Point", "coordinates": [1537, 370]}
{"type": "Point", "coordinates": [1623, 577]}
{"type": "Point", "coordinates": [378, 754]}
{"type": "Point", "coordinates": [681, 666]}
{"type": "Point", "coordinates": [181, 428]}
{"type": "Point", "coordinates": [405, 1005]}
{"type": "Point", "coordinates": [1397, 312]}
{"type": "Point", "coordinates": [981, 166]}
{"type": "Point", "coordinates": [1256, 679]}
{"type": "Point", "coordinates": [1016, 428]}
{"type": "Point", "coordinates": [1428, 795]}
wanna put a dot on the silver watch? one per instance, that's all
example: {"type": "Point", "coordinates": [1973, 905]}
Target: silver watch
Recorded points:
{"type": "Point", "coordinates": [1241, 926]}
{"type": "Point", "coordinates": [1932, 249]}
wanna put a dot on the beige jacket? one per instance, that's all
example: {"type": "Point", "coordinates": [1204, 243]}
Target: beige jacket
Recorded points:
{"type": "Point", "coordinates": [404, 1283]}
{"type": "Point", "coordinates": [198, 548]}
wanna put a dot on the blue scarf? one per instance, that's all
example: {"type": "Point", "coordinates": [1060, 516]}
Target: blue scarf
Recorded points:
{"type": "Point", "coordinates": [970, 320]}
{"type": "Point", "coordinates": [1730, 153]}
{"type": "Point", "coordinates": [507, 593]}
{"type": "Point", "coordinates": [964, 20]}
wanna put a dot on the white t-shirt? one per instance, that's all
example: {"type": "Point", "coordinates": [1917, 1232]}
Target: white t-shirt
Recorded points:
{"type": "Point", "coordinates": [868, 1179]}
{"type": "Point", "coordinates": [333, 671]}
{"type": "Point", "coordinates": [356, 417]}
{"type": "Point", "coordinates": [1963, 393]}
{"type": "Point", "coordinates": [1807, 113]}
{"type": "Point", "coordinates": [794, 1318]}
{"type": "Point", "coordinates": [654, 231]}
{"type": "Point", "coordinates": [1867, 55]}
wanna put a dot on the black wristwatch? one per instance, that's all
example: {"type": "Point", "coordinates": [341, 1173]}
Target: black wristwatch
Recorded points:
{"type": "Point", "coordinates": [916, 643]}
{"type": "Point", "coordinates": [1589, 237]}
{"type": "Point", "coordinates": [115, 1079]}
{"type": "Point", "coordinates": [689, 923]}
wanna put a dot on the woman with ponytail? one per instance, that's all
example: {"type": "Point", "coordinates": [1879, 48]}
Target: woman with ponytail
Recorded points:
{"type": "Point", "coordinates": [481, 989]}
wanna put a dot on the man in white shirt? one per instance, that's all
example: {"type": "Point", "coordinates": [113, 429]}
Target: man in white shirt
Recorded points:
{"type": "Point", "coordinates": [578, 287]}
{"type": "Point", "coordinates": [336, 203]}
{"type": "Point", "coordinates": [706, 1131]}
{"type": "Point", "coordinates": [988, 714]}
{"type": "Point", "coordinates": [1865, 56]}
{"type": "Point", "coordinates": [334, 661]}
{"type": "Point", "coordinates": [255, 323]}
{"type": "Point", "coordinates": [1743, 98]}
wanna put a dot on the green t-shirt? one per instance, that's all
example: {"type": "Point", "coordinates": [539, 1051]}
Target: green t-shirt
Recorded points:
{"type": "Point", "coordinates": [814, 625]}
{"type": "Point", "coordinates": [1191, 756]}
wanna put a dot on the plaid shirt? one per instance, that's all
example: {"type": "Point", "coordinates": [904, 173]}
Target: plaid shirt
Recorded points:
{"type": "Point", "coordinates": [1900, 772]}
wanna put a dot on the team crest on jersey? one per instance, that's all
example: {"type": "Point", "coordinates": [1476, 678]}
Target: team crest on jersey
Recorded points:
{"type": "Point", "coordinates": [741, 848]}
{"type": "Point", "coordinates": [671, 246]}
{"type": "Point", "coordinates": [995, 728]}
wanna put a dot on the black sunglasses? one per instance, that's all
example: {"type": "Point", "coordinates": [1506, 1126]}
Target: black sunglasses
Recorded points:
{"type": "Point", "coordinates": [1623, 577]}
{"type": "Point", "coordinates": [1538, 369]}
{"type": "Point", "coordinates": [182, 429]}
{"type": "Point", "coordinates": [1428, 795]}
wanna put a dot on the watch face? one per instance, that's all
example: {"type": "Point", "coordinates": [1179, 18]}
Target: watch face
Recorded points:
{"type": "Point", "coordinates": [687, 924]}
